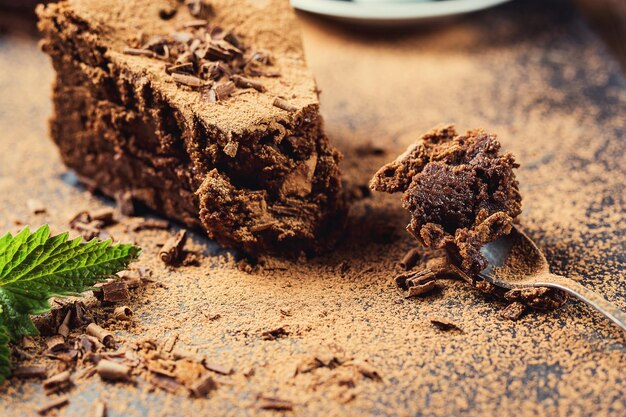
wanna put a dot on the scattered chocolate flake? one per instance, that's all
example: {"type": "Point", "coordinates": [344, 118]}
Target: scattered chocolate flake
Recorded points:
{"type": "Point", "coordinates": [113, 371]}
{"type": "Point", "coordinates": [224, 90]}
{"type": "Point", "coordinates": [188, 80]}
{"type": "Point", "coordinates": [283, 104]}
{"type": "Point", "coordinates": [421, 289]}
{"type": "Point", "coordinates": [125, 203]}
{"type": "Point", "coordinates": [54, 404]}
{"type": "Point", "coordinates": [274, 334]}
{"type": "Point", "coordinates": [166, 383]}
{"type": "Point", "coordinates": [106, 216]}
{"type": "Point", "coordinates": [56, 383]}
{"type": "Point", "coordinates": [27, 372]}
{"type": "Point", "coordinates": [150, 224]}
{"type": "Point", "coordinates": [410, 259]}
{"type": "Point", "coordinates": [244, 82]}
{"type": "Point", "coordinates": [513, 311]}
{"type": "Point", "coordinates": [35, 206]}
{"type": "Point", "coordinates": [186, 67]}
{"type": "Point", "coordinates": [80, 217]}
{"type": "Point", "coordinates": [139, 52]}
{"type": "Point", "coordinates": [112, 292]}
{"type": "Point", "coordinates": [64, 328]}
{"type": "Point", "coordinates": [56, 343]}
{"type": "Point", "coordinates": [443, 323]}
{"type": "Point", "coordinates": [123, 313]}
{"type": "Point", "coordinates": [311, 363]}
{"type": "Point", "coordinates": [172, 251]}
{"type": "Point", "coordinates": [103, 336]}
{"type": "Point", "coordinates": [274, 403]}
{"type": "Point", "coordinates": [203, 386]}
{"type": "Point", "coordinates": [218, 369]}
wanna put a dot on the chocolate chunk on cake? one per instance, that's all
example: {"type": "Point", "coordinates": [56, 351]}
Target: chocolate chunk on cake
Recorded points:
{"type": "Point", "coordinates": [202, 111]}
{"type": "Point", "coordinates": [461, 192]}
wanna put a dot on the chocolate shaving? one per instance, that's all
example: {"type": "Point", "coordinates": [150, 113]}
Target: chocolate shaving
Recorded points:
{"type": "Point", "coordinates": [54, 404]}
{"type": "Point", "coordinates": [203, 386]}
{"type": "Point", "coordinates": [285, 105]}
{"type": "Point", "coordinates": [188, 80]}
{"type": "Point", "coordinates": [106, 216]}
{"type": "Point", "coordinates": [56, 343]}
{"type": "Point", "coordinates": [421, 289]}
{"type": "Point", "coordinates": [113, 291]}
{"type": "Point", "coordinates": [274, 403]}
{"type": "Point", "coordinates": [165, 383]}
{"type": "Point", "coordinates": [410, 259]}
{"type": "Point", "coordinates": [444, 324]}
{"type": "Point", "coordinates": [172, 251]}
{"type": "Point", "coordinates": [139, 52]}
{"type": "Point", "coordinates": [224, 90]}
{"type": "Point", "coordinates": [244, 82]}
{"type": "Point", "coordinates": [186, 67]}
{"type": "Point", "coordinates": [56, 383]}
{"type": "Point", "coordinates": [123, 313]}
{"type": "Point", "coordinates": [149, 224]}
{"type": "Point", "coordinates": [274, 334]}
{"type": "Point", "coordinates": [103, 336]}
{"type": "Point", "coordinates": [113, 371]}
{"type": "Point", "coordinates": [27, 372]}
{"type": "Point", "coordinates": [218, 369]}
{"type": "Point", "coordinates": [64, 328]}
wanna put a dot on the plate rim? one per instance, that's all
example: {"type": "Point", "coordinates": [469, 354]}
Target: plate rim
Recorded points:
{"type": "Point", "coordinates": [393, 11]}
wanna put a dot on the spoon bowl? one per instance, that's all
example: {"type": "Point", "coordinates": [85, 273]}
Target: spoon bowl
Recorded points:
{"type": "Point", "coordinates": [516, 262]}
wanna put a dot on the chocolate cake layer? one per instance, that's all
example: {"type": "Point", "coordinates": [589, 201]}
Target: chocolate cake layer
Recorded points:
{"type": "Point", "coordinates": [252, 166]}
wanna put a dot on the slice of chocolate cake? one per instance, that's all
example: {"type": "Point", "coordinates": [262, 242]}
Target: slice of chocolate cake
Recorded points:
{"type": "Point", "coordinates": [203, 111]}
{"type": "Point", "coordinates": [461, 192]}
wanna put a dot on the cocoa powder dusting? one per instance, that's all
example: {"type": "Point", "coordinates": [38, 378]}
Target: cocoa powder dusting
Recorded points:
{"type": "Point", "coordinates": [352, 344]}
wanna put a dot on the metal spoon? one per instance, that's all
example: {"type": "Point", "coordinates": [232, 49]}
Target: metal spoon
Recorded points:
{"type": "Point", "coordinates": [516, 262]}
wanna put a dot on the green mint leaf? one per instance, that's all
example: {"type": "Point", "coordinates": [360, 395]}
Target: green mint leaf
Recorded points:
{"type": "Point", "coordinates": [35, 267]}
{"type": "Point", "coordinates": [5, 363]}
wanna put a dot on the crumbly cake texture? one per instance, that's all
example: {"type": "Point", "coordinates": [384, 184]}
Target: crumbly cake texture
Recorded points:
{"type": "Point", "coordinates": [460, 190]}
{"type": "Point", "coordinates": [257, 177]}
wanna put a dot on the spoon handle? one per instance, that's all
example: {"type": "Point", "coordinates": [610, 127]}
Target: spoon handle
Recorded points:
{"type": "Point", "coordinates": [592, 298]}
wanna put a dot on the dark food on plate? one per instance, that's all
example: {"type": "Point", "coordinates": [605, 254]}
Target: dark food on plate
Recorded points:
{"type": "Point", "coordinates": [203, 112]}
{"type": "Point", "coordinates": [461, 192]}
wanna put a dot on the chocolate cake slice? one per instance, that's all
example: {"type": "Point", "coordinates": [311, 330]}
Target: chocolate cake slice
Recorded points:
{"type": "Point", "coordinates": [460, 190]}
{"type": "Point", "coordinates": [202, 111]}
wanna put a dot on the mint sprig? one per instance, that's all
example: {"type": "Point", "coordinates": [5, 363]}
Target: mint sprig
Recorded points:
{"type": "Point", "coordinates": [35, 267]}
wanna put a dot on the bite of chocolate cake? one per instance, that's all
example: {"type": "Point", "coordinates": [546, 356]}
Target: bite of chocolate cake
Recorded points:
{"type": "Point", "coordinates": [461, 192]}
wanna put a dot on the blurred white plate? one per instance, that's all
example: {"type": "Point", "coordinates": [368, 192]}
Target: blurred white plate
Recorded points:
{"type": "Point", "coordinates": [392, 12]}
